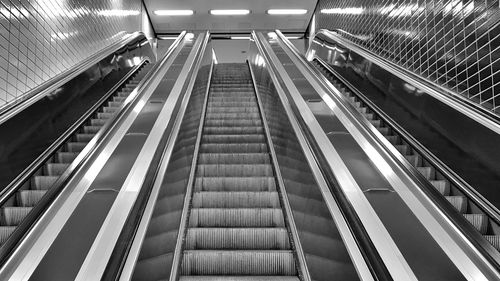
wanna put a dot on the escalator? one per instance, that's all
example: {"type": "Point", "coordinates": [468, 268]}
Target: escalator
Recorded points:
{"type": "Point", "coordinates": [449, 187]}
{"type": "Point", "coordinates": [26, 196]}
{"type": "Point", "coordinates": [236, 226]}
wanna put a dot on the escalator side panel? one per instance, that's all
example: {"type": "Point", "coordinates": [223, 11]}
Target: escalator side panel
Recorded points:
{"type": "Point", "coordinates": [326, 255]}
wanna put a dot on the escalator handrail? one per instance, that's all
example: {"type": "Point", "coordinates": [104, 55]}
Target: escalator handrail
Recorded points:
{"type": "Point", "coordinates": [11, 109]}
{"type": "Point", "coordinates": [463, 105]}
{"type": "Point", "coordinates": [27, 223]}
{"type": "Point", "coordinates": [468, 230]}
{"type": "Point", "coordinates": [125, 267]}
{"type": "Point", "coordinates": [484, 253]}
{"type": "Point", "coordinates": [368, 251]}
{"type": "Point", "coordinates": [27, 173]}
{"type": "Point", "coordinates": [455, 179]}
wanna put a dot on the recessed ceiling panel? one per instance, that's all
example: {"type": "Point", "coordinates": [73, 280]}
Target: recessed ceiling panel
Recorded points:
{"type": "Point", "coordinates": [258, 19]}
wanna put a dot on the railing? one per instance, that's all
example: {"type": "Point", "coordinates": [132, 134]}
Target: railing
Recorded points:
{"type": "Point", "coordinates": [9, 110]}
{"type": "Point", "coordinates": [377, 269]}
{"type": "Point", "coordinates": [47, 199]}
{"type": "Point", "coordinates": [463, 104]}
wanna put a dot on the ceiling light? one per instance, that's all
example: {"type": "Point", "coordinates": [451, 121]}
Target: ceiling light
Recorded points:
{"type": "Point", "coordinates": [229, 12]}
{"type": "Point", "coordinates": [286, 11]}
{"type": "Point", "coordinates": [240, 37]}
{"type": "Point", "coordinates": [173, 12]}
{"type": "Point", "coordinates": [348, 11]}
{"type": "Point", "coordinates": [163, 37]}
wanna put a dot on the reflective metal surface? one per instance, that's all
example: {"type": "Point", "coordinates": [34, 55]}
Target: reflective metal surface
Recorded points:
{"type": "Point", "coordinates": [461, 143]}
{"type": "Point", "coordinates": [40, 39]}
{"type": "Point", "coordinates": [382, 185]}
{"type": "Point", "coordinates": [323, 246]}
{"type": "Point", "coordinates": [152, 253]}
{"type": "Point", "coordinates": [30, 132]}
{"type": "Point", "coordinates": [93, 188]}
{"type": "Point", "coordinates": [452, 43]}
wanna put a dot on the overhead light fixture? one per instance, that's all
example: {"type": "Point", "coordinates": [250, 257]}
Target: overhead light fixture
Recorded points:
{"type": "Point", "coordinates": [287, 11]}
{"type": "Point", "coordinates": [240, 37]}
{"type": "Point", "coordinates": [347, 11]}
{"type": "Point", "coordinates": [173, 12]}
{"type": "Point", "coordinates": [239, 12]}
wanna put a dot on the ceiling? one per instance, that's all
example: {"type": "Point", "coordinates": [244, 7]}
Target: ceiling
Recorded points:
{"type": "Point", "coordinates": [258, 19]}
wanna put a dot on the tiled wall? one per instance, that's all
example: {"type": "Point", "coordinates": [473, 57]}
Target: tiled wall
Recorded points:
{"type": "Point", "coordinates": [41, 38]}
{"type": "Point", "coordinates": [450, 42]}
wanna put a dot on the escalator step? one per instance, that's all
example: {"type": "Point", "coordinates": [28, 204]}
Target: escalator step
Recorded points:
{"type": "Point", "coordinates": [55, 169]}
{"type": "Point", "coordinates": [214, 262]}
{"type": "Point", "coordinates": [234, 170]}
{"type": "Point", "coordinates": [376, 123]}
{"type": "Point", "coordinates": [403, 149]}
{"type": "Point", "coordinates": [234, 158]}
{"type": "Point", "coordinates": [240, 217]}
{"type": "Point", "coordinates": [119, 99]}
{"type": "Point", "coordinates": [414, 159]}
{"type": "Point", "coordinates": [427, 172]}
{"type": "Point", "coordinates": [109, 109]}
{"type": "Point", "coordinates": [75, 146]}
{"type": "Point", "coordinates": [494, 240]}
{"type": "Point", "coordinates": [232, 122]}
{"type": "Point", "coordinates": [242, 199]}
{"type": "Point", "coordinates": [28, 198]}
{"type": "Point", "coordinates": [254, 138]}
{"type": "Point", "coordinates": [98, 122]}
{"type": "Point", "coordinates": [237, 239]}
{"type": "Point", "coordinates": [13, 215]}
{"type": "Point", "coordinates": [114, 104]}
{"type": "Point", "coordinates": [231, 104]}
{"type": "Point", "coordinates": [104, 115]}
{"type": "Point", "coordinates": [66, 157]}
{"type": "Point", "coordinates": [43, 182]}
{"type": "Point", "coordinates": [232, 109]}
{"type": "Point", "coordinates": [238, 278]}
{"type": "Point", "coordinates": [84, 137]}
{"type": "Point", "coordinates": [393, 139]}
{"type": "Point", "coordinates": [234, 148]}
{"type": "Point", "coordinates": [124, 94]}
{"type": "Point", "coordinates": [234, 115]}
{"type": "Point", "coordinates": [459, 202]}
{"type": "Point", "coordinates": [384, 130]}
{"type": "Point", "coordinates": [369, 116]}
{"type": "Point", "coordinates": [233, 130]}
{"type": "Point", "coordinates": [5, 232]}
{"type": "Point", "coordinates": [91, 129]}
{"type": "Point", "coordinates": [235, 98]}
{"type": "Point", "coordinates": [235, 184]}
{"type": "Point", "coordinates": [479, 221]}
{"type": "Point", "coordinates": [443, 186]}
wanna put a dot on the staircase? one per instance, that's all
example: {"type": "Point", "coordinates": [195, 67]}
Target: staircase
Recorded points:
{"type": "Point", "coordinates": [236, 228]}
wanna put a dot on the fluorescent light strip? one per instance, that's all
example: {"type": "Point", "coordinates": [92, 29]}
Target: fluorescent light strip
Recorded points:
{"type": "Point", "coordinates": [287, 11]}
{"type": "Point", "coordinates": [229, 12]}
{"type": "Point", "coordinates": [346, 11]}
{"type": "Point", "coordinates": [163, 37]}
{"type": "Point", "coordinates": [173, 12]}
{"type": "Point", "coordinates": [240, 37]}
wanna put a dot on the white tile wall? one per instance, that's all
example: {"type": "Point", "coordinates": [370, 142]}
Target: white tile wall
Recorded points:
{"type": "Point", "coordinates": [42, 38]}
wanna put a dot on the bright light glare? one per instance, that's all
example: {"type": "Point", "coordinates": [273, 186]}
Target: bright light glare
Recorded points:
{"type": "Point", "coordinates": [286, 11]}
{"type": "Point", "coordinates": [240, 37]}
{"type": "Point", "coordinates": [189, 36]}
{"type": "Point", "coordinates": [229, 12]}
{"type": "Point", "coordinates": [173, 12]}
{"type": "Point", "coordinates": [167, 37]}
{"type": "Point", "coordinates": [272, 35]}
{"type": "Point", "coordinates": [349, 11]}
